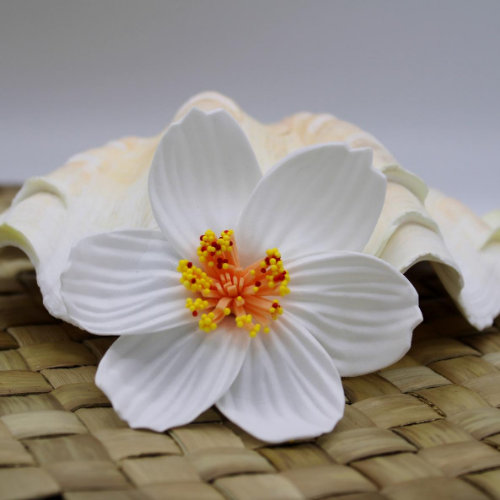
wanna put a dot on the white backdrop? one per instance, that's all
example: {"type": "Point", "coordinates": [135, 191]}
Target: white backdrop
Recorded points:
{"type": "Point", "coordinates": [423, 77]}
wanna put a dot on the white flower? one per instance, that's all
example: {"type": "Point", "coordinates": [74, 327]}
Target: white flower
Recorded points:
{"type": "Point", "coordinates": [264, 334]}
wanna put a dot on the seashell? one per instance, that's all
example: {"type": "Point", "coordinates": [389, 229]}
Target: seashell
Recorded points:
{"type": "Point", "coordinates": [105, 189]}
{"type": "Point", "coordinates": [475, 247]}
{"type": "Point", "coordinates": [492, 219]}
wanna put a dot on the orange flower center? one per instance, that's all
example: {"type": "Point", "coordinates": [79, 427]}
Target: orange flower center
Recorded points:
{"type": "Point", "coordinates": [226, 289]}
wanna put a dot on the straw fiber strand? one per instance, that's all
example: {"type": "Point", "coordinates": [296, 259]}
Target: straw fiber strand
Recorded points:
{"type": "Point", "coordinates": [426, 427]}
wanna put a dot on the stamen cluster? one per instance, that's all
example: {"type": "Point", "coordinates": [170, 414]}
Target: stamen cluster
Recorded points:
{"type": "Point", "coordinates": [194, 278]}
{"type": "Point", "coordinates": [196, 305]}
{"type": "Point", "coordinates": [212, 246]}
{"type": "Point", "coordinates": [228, 289]}
{"type": "Point", "coordinates": [276, 274]}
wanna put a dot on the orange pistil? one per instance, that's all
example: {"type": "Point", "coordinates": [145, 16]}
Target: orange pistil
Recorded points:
{"type": "Point", "coordinates": [226, 289]}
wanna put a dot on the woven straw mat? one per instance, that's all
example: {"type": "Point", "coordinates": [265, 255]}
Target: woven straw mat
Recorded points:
{"type": "Point", "coordinates": [427, 427]}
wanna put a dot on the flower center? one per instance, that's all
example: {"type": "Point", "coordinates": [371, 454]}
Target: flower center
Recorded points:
{"type": "Point", "coordinates": [226, 289]}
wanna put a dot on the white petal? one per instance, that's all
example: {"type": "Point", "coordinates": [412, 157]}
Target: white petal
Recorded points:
{"type": "Point", "coordinates": [288, 387]}
{"type": "Point", "coordinates": [124, 282]}
{"type": "Point", "coordinates": [162, 380]}
{"type": "Point", "coordinates": [360, 309]}
{"type": "Point", "coordinates": [320, 199]}
{"type": "Point", "coordinates": [202, 174]}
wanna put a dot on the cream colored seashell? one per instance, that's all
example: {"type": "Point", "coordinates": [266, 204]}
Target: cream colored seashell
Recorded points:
{"type": "Point", "coordinates": [475, 247]}
{"type": "Point", "coordinates": [492, 219]}
{"type": "Point", "coordinates": [100, 190]}
{"type": "Point", "coordinates": [105, 189]}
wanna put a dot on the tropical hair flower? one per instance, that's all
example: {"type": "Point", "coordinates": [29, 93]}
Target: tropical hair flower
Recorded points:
{"type": "Point", "coordinates": [251, 295]}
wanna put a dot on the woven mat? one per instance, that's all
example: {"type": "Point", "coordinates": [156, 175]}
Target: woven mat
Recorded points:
{"type": "Point", "coordinates": [427, 427]}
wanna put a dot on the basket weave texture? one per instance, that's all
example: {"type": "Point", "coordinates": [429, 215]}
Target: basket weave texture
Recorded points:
{"type": "Point", "coordinates": [427, 427]}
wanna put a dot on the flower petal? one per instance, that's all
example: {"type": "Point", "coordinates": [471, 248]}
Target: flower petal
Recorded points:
{"type": "Point", "coordinates": [288, 387]}
{"type": "Point", "coordinates": [360, 309]}
{"type": "Point", "coordinates": [124, 282]}
{"type": "Point", "coordinates": [322, 198]}
{"type": "Point", "coordinates": [162, 380]}
{"type": "Point", "coordinates": [202, 174]}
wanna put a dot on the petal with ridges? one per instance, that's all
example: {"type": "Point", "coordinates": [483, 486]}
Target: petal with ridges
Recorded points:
{"type": "Point", "coordinates": [288, 387]}
{"type": "Point", "coordinates": [322, 198]}
{"type": "Point", "coordinates": [161, 380]}
{"type": "Point", "coordinates": [359, 308]}
{"type": "Point", "coordinates": [202, 174]}
{"type": "Point", "coordinates": [124, 283]}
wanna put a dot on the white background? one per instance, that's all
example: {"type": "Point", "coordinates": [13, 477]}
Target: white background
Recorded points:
{"type": "Point", "coordinates": [422, 76]}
